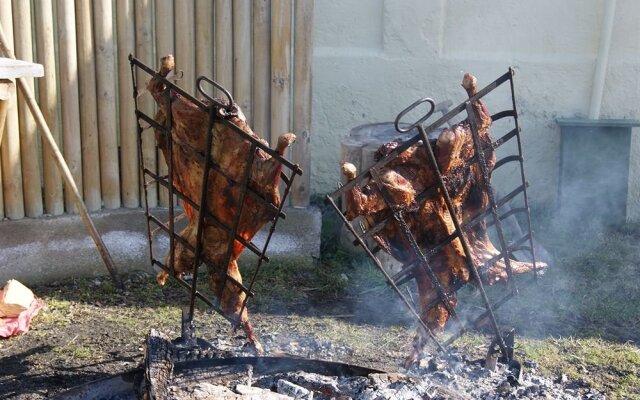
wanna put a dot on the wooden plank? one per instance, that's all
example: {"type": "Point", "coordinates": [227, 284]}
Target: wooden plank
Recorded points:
{"type": "Point", "coordinates": [48, 100]}
{"type": "Point", "coordinates": [224, 44]}
{"type": "Point", "coordinates": [12, 173]}
{"type": "Point", "coordinates": [261, 106]}
{"type": "Point", "coordinates": [242, 55]}
{"type": "Point", "coordinates": [10, 68]}
{"type": "Point", "coordinates": [69, 95]}
{"type": "Point", "coordinates": [185, 44]}
{"type": "Point", "coordinates": [280, 68]}
{"type": "Point", "coordinates": [303, 59]}
{"type": "Point", "coordinates": [204, 38]}
{"type": "Point", "coordinates": [164, 46]}
{"type": "Point", "coordinates": [144, 51]}
{"type": "Point", "coordinates": [88, 106]}
{"type": "Point", "coordinates": [29, 143]}
{"type": "Point", "coordinates": [129, 168]}
{"type": "Point", "coordinates": [107, 115]}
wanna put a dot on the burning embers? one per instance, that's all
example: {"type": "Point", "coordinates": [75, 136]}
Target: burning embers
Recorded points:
{"type": "Point", "coordinates": [212, 373]}
{"type": "Point", "coordinates": [425, 202]}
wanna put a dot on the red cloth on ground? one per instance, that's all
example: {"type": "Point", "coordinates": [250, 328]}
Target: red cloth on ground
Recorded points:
{"type": "Point", "coordinates": [11, 326]}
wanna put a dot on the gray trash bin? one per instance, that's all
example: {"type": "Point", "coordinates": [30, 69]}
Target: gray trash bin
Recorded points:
{"type": "Point", "coordinates": [594, 168]}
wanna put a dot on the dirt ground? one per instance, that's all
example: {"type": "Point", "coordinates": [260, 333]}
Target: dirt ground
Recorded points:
{"type": "Point", "coordinates": [579, 322]}
{"type": "Point", "coordinates": [88, 330]}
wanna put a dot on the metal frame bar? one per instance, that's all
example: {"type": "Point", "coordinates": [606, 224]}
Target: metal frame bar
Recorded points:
{"type": "Point", "coordinates": [217, 115]}
{"type": "Point", "coordinates": [422, 256]}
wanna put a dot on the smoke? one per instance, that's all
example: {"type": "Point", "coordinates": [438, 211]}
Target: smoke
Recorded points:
{"type": "Point", "coordinates": [590, 287]}
{"type": "Point", "coordinates": [594, 171]}
{"type": "Point", "coordinates": [587, 290]}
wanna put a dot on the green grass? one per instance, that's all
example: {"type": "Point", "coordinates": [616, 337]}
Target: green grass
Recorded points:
{"type": "Point", "coordinates": [55, 313]}
{"type": "Point", "coordinates": [77, 351]}
{"type": "Point", "coordinates": [129, 318]}
{"type": "Point", "coordinates": [609, 367]}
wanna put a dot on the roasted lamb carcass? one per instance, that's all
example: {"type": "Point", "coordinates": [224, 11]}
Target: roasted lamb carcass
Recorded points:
{"type": "Point", "coordinates": [230, 152]}
{"type": "Point", "coordinates": [404, 179]}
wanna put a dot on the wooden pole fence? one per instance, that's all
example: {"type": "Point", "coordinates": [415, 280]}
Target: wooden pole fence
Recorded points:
{"type": "Point", "coordinates": [242, 59]}
{"type": "Point", "coordinates": [107, 114]}
{"type": "Point", "coordinates": [280, 68]}
{"type": "Point", "coordinates": [204, 22]}
{"type": "Point", "coordinates": [29, 148]}
{"type": "Point", "coordinates": [164, 45]}
{"type": "Point", "coordinates": [48, 94]}
{"type": "Point", "coordinates": [260, 50]}
{"type": "Point", "coordinates": [30, 101]}
{"type": "Point", "coordinates": [144, 50]}
{"type": "Point", "coordinates": [69, 95]}
{"type": "Point", "coordinates": [261, 109]}
{"type": "Point", "coordinates": [126, 40]}
{"type": "Point", "coordinates": [301, 153]}
{"type": "Point", "coordinates": [11, 160]}
{"type": "Point", "coordinates": [223, 44]}
{"type": "Point", "coordinates": [88, 106]}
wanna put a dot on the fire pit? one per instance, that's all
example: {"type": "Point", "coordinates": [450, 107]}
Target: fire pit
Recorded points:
{"type": "Point", "coordinates": [177, 372]}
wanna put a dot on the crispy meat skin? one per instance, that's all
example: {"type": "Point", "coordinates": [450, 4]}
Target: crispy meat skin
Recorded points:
{"type": "Point", "coordinates": [408, 175]}
{"type": "Point", "coordinates": [230, 152]}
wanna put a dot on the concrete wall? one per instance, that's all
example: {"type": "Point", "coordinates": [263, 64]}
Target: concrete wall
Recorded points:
{"type": "Point", "coordinates": [373, 58]}
{"type": "Point", "coordinates": [41, 250]}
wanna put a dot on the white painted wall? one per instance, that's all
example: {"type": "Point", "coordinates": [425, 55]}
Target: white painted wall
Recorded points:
{"type": "Point", "coordinates": [373, 58]}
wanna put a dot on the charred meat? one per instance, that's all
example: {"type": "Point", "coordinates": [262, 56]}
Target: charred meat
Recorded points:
{"type": "Point", "coordinates": [229, 153]}
{"type": "Point", "coordinates": [408, 176]}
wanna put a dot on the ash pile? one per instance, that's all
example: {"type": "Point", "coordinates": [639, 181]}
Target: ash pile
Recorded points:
{"type": "Point", "coordinates": [202, 373]}
{"type": "Point", "coordinates": [462, 375]}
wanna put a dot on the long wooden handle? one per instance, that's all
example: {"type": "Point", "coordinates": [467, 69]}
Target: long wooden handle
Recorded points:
{"type": "Point", "coordinates": [62, 165]}
{"type": "Point", "coordinates": [4, 105]}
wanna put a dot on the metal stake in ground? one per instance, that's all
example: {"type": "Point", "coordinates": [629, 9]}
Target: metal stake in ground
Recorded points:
{"type": "Point", "coordinates": [62, 165]}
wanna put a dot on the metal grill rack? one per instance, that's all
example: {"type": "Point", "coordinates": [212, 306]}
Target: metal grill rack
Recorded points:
{"type": "Point", "coordinates": [218, 112]}
{"type": "Point", "coordinates": [493, 212]}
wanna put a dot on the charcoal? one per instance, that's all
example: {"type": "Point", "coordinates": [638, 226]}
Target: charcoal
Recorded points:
{"type": "Point", "coordinates": [250, 392]}
{"type": "Point", "coordinates": [454, 378]}
{"type": "Point", "coordinates": [315, 382]}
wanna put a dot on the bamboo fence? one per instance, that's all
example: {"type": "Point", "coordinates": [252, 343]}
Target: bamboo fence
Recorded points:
{"type": "Point", "coordinates": [260, 50]}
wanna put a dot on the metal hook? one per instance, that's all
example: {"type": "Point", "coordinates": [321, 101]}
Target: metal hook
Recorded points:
{"type": "Point", "coordinates": [410, 108]}
{"type": "Point", "coordinates": [227, 107]}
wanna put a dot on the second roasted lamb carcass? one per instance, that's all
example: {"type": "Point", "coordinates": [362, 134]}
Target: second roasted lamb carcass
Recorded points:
{"type": "Point", "coordinates": [230, 153]}
{"type": "Point", "coordinates": [428, 219]}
